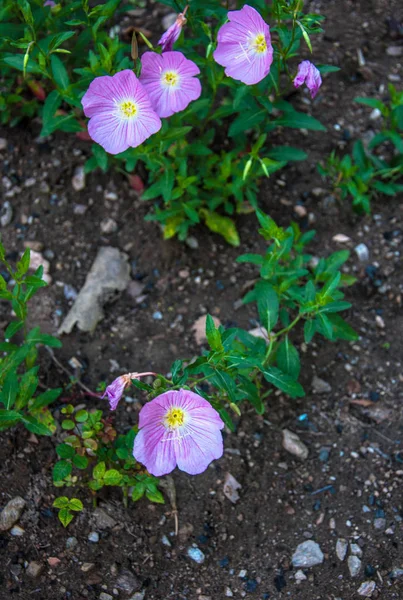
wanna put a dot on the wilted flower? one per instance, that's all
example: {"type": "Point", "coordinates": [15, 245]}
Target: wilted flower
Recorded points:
{"type": "Point", "coordinates": [115, 390]}
{"type": "Point", "coordinates": [169, 81]}
{"type": "Point", "coordinates": [308, 74]}
{"type": "Point", "coordinates": [120, 112]}
{"type": "Point", "coordinates": [178, 428]}
{"type": "Point", "coordinates": [168, 39]}
{"type": "Point", "coordinates": [244, 46]}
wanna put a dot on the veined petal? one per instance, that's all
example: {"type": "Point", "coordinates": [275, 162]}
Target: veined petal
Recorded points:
{"type": "Point", "coordinates": [152, 451]}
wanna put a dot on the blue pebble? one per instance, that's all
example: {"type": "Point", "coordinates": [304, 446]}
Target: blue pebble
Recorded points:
{"type": "Point", "coordinates": [251, 585]}
{"type": "Point", "coordinates": [157, 316]}
{"type": "Point", "coordinates": [196, 554]}
{"type": "Point", "coordinates": [224, 561]}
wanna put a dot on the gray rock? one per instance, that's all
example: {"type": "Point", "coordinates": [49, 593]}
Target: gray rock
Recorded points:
{"type": "Point", "coordinates": [104, 596]}
{"type": "Point", "coordinates": [300, 576]}
{"type": "Point", "coordinates": [362, 252]}
{"type": "Point", "coordinates": [356, 550]}
{"type": "Point", "coordinates": [109, 225]}
{"type": "Point", "coordinates": [380, 523]}
{"type": "Point", "coordinates": [17, 531]}
{"type": "Point", "coordinates": [109, 273]}
{"type": "Point", "coordinates": [192, 242]}
{"type": "Point", "coordinates": [34, 569]}
{"type": "Point", "coordinates": [196, 554]}
{"type": "Point", "coordinates": [11, 513]}
{"type": "Point", "coordinates": [138, 595]}
{"type": "Point", "coordinates": [366, 589]}
{"type": "Point", "coordinates": [78, 181]}
{"type": "Point", "coordinates": [341, 548]}
{"type": "Point", "coordinates": [320, 386]}
{"type": "Point", "coordinates": [127, 582]}
{"type": "Point", "coordinates": [396, 573]}
{"type": "Point", "coordinates": [93, 537]}
{"type": "Point", "coordinates": [394, 50]}
{"type": "Point", "coordinates": [354, 565]}
{"type": "Point", "coordinates": [308, 554]}
{"type": "Point", "coordinates": [71, 543]}
{"type": "Point", "coordinates": [3, 143]}
{"type": "Point", "coordinates": [294, 445]}
{"type": "Point", "coordinates": [6, 214]}
{"type": "Point", "coordinates": [102, 520]}
{"type": "Point", "coordinates": [166, 541]}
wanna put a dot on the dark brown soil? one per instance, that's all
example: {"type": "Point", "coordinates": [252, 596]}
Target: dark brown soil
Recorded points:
{"type": "Point", "coordinates": [355, 450]}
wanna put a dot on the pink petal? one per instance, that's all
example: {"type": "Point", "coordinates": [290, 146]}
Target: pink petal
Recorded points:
{"type": "Point", "coordinates": [149, 449]}
{"type": "Point", "coordinates": [195, 451]}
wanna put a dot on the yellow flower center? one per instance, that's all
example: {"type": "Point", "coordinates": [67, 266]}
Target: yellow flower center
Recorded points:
{"type": "Point", "coordinates": [170, 78]}
{"type": "Point", "coordinates": [175, 417]}
{"type": "Point", "coordinates": [259, 43]}
{"type": "Point", "coordinates": [128, 108]}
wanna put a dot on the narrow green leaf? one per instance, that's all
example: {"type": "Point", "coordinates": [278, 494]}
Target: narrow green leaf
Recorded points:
{"type": "Point", "coordinates": [283, 382]}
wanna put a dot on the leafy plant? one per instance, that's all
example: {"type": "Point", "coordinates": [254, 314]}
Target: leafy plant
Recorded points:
{"type": "Point", "coordinates": [65, 506]}
{"type": "Point", "coordinates": [19, 379]}
{"type": "Point", "coordinates": [205, 164]}
{"type": "Point", "coordinates": [93, 455]}
{"type": "Point", "coordinates": [376, 169]}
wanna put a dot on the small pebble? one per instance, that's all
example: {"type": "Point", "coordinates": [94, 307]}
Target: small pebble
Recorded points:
{"type": "Point", "coordinates": [354, 565]}
{"type": "Point", "coordinates": [294, 445]}
{"type": "Point", "coordinates": [192, 242]}
{"type": "Point", "coordinates": [356, 550]}
{"type": "Point", "coordinates": [6, 214]}
{"type": "Point", "coordinates": [300, 576]}
{"type": "Point", "coordinates": [320, 386]}
{"type": "Point", "coordinates": [78, 181]}
{"type": "Point", "coordinates": [196, 554]}
{"type": "Point", "coordinates": [228, 592]}
{"type": "Point", "coordinates": [362, 252]}
{"type": "Point", "coordinates": [17, 531]}
{"type": "Point", "coordinates": [104, 596]}
{"type": "Point", "coordinates": [307, 554]}
{"type": "Point", "coordinates": [341, 548]}
{"type": "Point", "coordinates": [3, 144]}
{"type": "Point", "coordinates": [157, 316]}
{"type": "Point", "coordinates": [71, 543]}
{"type": "Point", "coordinates": [11, 513]}
{"type": "Point", "coordinates": [109, 225]}
{"type": "Point", "coordinates": [93, 537]}
{"type": "Point", "coordinates": [34, 569]}
{"type": "Point", "coordinates": [85, 567]}
{"type": "Point", "coordinates": [242, 573]}
{"type": "Point", "coordinates": [366, 589]}
{"type": "Point", "coordinates": [166, 541]}
{"type": "Point", "coordinates": [380, 523]}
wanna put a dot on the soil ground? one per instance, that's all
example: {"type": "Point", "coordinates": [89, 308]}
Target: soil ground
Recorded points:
{"type": "Point", "coordinates": [354, 449]}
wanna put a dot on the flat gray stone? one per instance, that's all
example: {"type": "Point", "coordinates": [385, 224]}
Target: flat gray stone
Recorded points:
{"type": "Point", "coordinates": [341, 548]}
{"type": "Point", "coordinates": [11, 513]}
{"type": "Point", "coordinates": [354, 565]}
{"type": "Point", "coordinates": [366, 589]}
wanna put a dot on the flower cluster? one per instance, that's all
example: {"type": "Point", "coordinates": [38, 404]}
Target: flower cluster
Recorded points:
{"type": "Point", "coordinates": [125, 110]}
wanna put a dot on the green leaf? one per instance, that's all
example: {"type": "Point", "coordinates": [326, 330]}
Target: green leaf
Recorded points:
{"type": "Point", "coordinates": [341, 329]}
{"type": "Point", "coordinates": [99, 471]}
{"type": "Point", "coordinates": [267, 304]}
{"type": "Point", "coordinates": [61, 470]}
{"type": "Point", "coordinates": [23, 264]}
{"type": "Point", "coordinates": [371, 102]}
{"type": "Point", "coordinates": [213, 335]}
{"type": "Point", "coordinates": [68, 424]}
{"type": "Point", "coordinates": [112, 477]}
{"type": "Point", "coordinates": [51, 105]}
{"type": "Point", "coordinates": [26, 11]}
{"type": "Point", "coordinates": [298, 120]}
{"type": "Point", "coordinates": [283, 382]}
{"type": "Point", "coordinates": [175, 133]}
{"type": "Point", "coordinates": [224, 414]}
{"type": "Point", "coordinates": [9, 417]}
{"type": "Point", "coordinates": [288, 358]}
{"type": "Point", "coordinates": [81, 462]}
{"type": "Point", "coordinates": [65, 451]}
{"type": "Point", "coordinates": [81, 416]}
{"type": "Point", "coordinates": [35, 337]}
{"type": "Point", "coordinates": [46, 398]}
{"type": "Point", "coordinates": [286, 153]}
{"type": "Point", "coordinates": [59, 72]}
{"type": "Point", "coordinates": [10, 389]}
{"type": "Point", "coordinates": [28, 384]}
{"type": "Point", "coordinates": [100, 156]}
{"type": "Point", "coordinates": [309, 330]}
{"type": "Point", "coordinates": [222, 225]}
{"type": "Point", "coordinates": [247, 120]}
{"type": "Point", "coordinates": [75, 504]}
{"type": "Point", "coordinates": [12, 329]}
{"type": "Point", "coordinates": [17, 62]}
{"type": "Point", "coordinates": [138, 491]}
{"type": "Point", "coordinates": [323, 69]}
{"type": "Point", "coordinates": [61, 502]}
{"type": "Point", "coordinates": [65, 516]}
{"type": "Point", "coordinates": [155, 496]}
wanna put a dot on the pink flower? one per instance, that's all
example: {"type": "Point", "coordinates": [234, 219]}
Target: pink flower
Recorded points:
{"type": "Point", "coordinates": [169, 81]}
{"type": "Point", "coordinates": [178, 429]}
{"type": "Point", "coordinates": [168, 39]}
{"type": "Point", "coordinates": [308, 74]}
{"type": "Point", "coordinates": [244, 46]}
{"type": "Point", "coordinates": [49, 3]}
{"type": "Point", "coordinates": [120, 112]}
{"type": "Point", "coordinates": [115, 390]}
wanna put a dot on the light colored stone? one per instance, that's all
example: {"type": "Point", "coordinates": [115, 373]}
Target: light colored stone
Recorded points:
{"type": "Point", "coordinates": [354, 565]}
{"type": "Point", "coordinates": [231, 487]}
{"type": "Point", "coordinates": [294, 445]}
{"type": "Point", "coordinates": [6, 214]}
{"type": "Point", "coordinates": [78, 181]}
{"type": "Point", "coordinates": [320, 386]}
{"type": "Point", "coordinates": [366, 589]}
{"type": "Point", "coordinates": [34, 569]}
{"type": "Point", "coordinates": [341, 548]}
{"type": "Point", "coordinates": [103, 520]}
{"type": "Point", "coordinates": [308, 554]}
{"type": "Point", "coordinates": [11, 513]}
{"type": "Point", "coordinates": [355, 549]}
{"type": "Point", "coordinates": [109, 225]}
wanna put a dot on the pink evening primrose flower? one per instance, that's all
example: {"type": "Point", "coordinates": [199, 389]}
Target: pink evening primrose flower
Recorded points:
{"type": "Point", "coordinates": [120, 112]}
{"type": "Point", "coordinates": [115, 390]}
{"type": "Point", "coordinates": [49, 3]}
{"type": "Point", "coordinates": [178, 428]}
{"type": "Point", "coordinates": [169, 81]}
{"type": "Point", "coordinates": [310, 75]}
{"type": "Point", "coordinates": [171, 35]}
{"type": "Point", "coordinates": [244, 46]}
